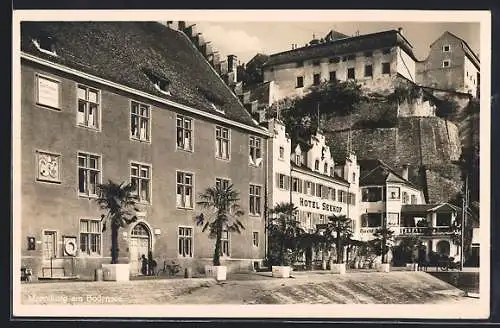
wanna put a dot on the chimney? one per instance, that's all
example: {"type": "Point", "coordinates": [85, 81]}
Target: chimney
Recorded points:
{"type": "Point", "coordinates": [405, 171]}
{"type": "Point", "coordinates": [400, 30]}
{"type": "Point", "coordinates": [169, 23]}
{"type": "Point", "coordinates": [182, 25]}
{"type": "Point", "coordinates": [231, 63]}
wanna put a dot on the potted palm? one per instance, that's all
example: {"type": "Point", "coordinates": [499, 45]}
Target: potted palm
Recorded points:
{"type": "Point", "coordinates": [383, 241]}
{"type": "Point", "coordinates": [222, 200]}
{"type": "Point", "coordinates": [120, 205]}
{"type": "Point", "coordinates": [340, 227]}
{"type": "Point", "coordinates": [284, 230]}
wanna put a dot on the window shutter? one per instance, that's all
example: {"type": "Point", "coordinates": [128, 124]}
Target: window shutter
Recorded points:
{"type": "Point", "coordinates": [299, 185]}
{"type": "Point", "coordinates": [287, 182]}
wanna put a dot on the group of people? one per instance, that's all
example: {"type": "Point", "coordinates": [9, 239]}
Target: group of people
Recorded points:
{"type": "Point", "coordinates": [148, 264]}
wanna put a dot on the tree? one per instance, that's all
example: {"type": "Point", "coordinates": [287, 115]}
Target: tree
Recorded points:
{"type": "Point", "coordinates": [340, 227]}
{"type": "Point", "coordinates": [406, 250]}
{"type": "Point", "coordinates": [384, 240]}
{"type": "Point", "coordinates": [119, 202]}
{"type": "Point", "coordinates": [223, 201]}
{"type": "Point", "coordinates": [284, 230]}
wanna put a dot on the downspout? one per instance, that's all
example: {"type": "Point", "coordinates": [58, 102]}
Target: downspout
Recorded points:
{"type": "Point", "coordinates": [266, 190]}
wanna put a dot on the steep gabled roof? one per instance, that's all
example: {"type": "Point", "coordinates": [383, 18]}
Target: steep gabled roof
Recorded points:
{"type": "Point", "coordinates": [342, 46]}
{"type": "Point", "coordinates": [376, 172]}
{"type": "Point", "coordinates": [123, 52]}
{"type": "Point", "coordinates": [465, 46]}
{"type": "Point", "coordinates": [335, 35]}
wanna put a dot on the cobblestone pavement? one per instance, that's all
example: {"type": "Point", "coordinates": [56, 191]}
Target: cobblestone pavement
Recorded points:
{"type": "Point", "coordinates": [256, 288]}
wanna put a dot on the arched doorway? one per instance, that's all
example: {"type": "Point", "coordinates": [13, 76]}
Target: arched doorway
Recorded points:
{"type": "Point", "coordinates": [443, 248]}
{"type": "Point", "coordinates": [139, 244]}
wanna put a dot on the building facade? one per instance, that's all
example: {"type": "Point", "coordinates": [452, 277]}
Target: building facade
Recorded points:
{"type": "Point", "coordinates": [390, 199]}
{"type": "Point", "coordinates": [373, 60]}
{"type": "Point", "coordinates": [122, 105]}
{"type": "Point", "coordinates": [307, 176]}
{"type": "Point", "coordinates": [450, 65]}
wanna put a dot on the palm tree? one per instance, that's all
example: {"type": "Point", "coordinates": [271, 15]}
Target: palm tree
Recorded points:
{"type": "Point", "coordinates": [384, 239]}
{"type": "Point", "coordinates": [223, 201]}
{"type": "Point", "coordinates": [283, 228]}
{"type": "Point", "coordinates": [342, 227]}
{"type": "Point", "coordinates": [119, 203]}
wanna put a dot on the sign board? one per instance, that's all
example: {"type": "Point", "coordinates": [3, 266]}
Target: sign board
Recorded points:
{"type": "Point", "coordinates": [48, 92]}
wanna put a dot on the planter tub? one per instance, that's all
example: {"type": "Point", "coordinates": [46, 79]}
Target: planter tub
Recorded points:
{"type": "Point", "coordinates": [383, 267]}
{"type": "Point", "coordinates": [412, 266]}
{"type": "Point", "coordinates": [219, 272]}
{"type": "Point", "coordinates": [338, 268]}
{"type": "Point", "coordinates": [281, 271]}
{"type": "Point", "coordinates": [116, 272]}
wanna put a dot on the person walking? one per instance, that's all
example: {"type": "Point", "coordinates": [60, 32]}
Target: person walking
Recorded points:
{"type": "Point", "coordinates": [144, 266]}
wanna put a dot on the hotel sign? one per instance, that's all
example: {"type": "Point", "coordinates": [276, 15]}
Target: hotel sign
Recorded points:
{"type": "Point", "coordinates": [48, 92]}
{"type": "Point", "coordinates": [320, 206]}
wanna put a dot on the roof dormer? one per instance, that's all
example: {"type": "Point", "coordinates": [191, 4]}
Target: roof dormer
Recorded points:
{"type": "Point", "coordinates": [45, 43]}
{"type": "Point", "coordinates": [160, 82]}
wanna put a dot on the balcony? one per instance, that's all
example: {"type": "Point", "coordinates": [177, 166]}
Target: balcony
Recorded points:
{"type": "Point", "coordinates": [425, 230]}
{"type": "Point", "coordinates": [411, 230]}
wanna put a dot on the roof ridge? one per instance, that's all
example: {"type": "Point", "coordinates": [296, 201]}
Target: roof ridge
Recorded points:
{"type": "Point", "coordinates": [215, 72]}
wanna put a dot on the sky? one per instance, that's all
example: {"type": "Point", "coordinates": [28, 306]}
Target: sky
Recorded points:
{"type": "Point", "coordinates": [245, 39]}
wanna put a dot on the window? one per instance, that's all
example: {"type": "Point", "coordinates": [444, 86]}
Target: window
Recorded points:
{"type": "Point", "coordinates": [184, 133]}
{"type": "Point", "coordinates": [47, 92]}
{"type": "Point", "coordinates": [185, 241]}
{"type": "Point", "coordinates": [255, 239]}
{"type": "Point", "coordinates": [324, 192]}
{"type": "Point", "coordinates": [392, 219]}
{"type": "Point", "coordinates": [325, 168]}
{"type": "Point", "coordinates": [316, 79]}
{"type": "Point", "coordinates": [443, 219]}
{"type": "Point", "coordinates": [184, 190]}
{"type": "Point", "coordinates": [283, 181]}
{"type": "Point", "coordinates": [446, 48]}
{"type": "Point", "coordinates": [298, 160]}
{"type": "Point", "coordinates": [48, 167]}
{"type": "Point", "coordinates": [221, 183]}
{"type": "Point", "coordinates": [225, 243]}
{"type": "Point", "coordinates": [368, 70]}
{"type": "Point", "coordinates": [318, 190]}
{"type": "Point", "coordinates": [371, 194]}
{"type": "Point", "coordinates": [335, 60]}
{"type": "Point", "coordinates": [353, 177]}
{"type": "Point", "coordinates": [351, 198]}
{"type": "Point", "coordinates": [255, 200]}
{"type": "Point", "coordinates": [316, 165]}
{"type": "Point", "coordinates": [386, 68]}
{"type": "Point", "coordinates": [333, 75]}
{"type": "Point", "coordinates": [140, 176]}
{"type": "Point", "coordinates": [386, 51]}
{"type": "Point", "coordinates": [322, 219]}
{"type": "Point", "coordinates": [222, 142]}
{"type": "Point", "coordinates": [394, 193]}
{"type": "Point", "coordinates": [296, 185]}
{"type": "Point", "coordinates": [89, 174]}
{"type": "Point", "coordinates": [255, 150]}
{"type": "Point", "coordinates": [351, 57]}
{"type": "Point", "coordinates": [333, 193]}
{"type": "Point", "coordinates": [413, 199]}
{"type": "Point", "coordinates": [350, 73]}
{"type": "Point", "coordinates": [139, 121]}
{"type": "Point", "coordinates": [405, 197]}
{"type": "Point", "coordinates": [307, 187]}
{"type": "Point", "coordinates": [300, 82]}
{"type": "Point", "coordinates": [371, 220]}
{"type": "Point", "coordinates": [342, 196]}
{"type": "Point", "coordinates": [282, 152]}
{"type": "Point", "coordinates": [446, 63]}
{"type": "Point", "coordinates": [331, 171]}
{"type": "Point", "coordinates": [316, 62]}
{"type": "Point", "coordinates": [368, 54]}
{"type": "Point", "coordinates": [88, 107]}
{"type": "Point", "coordinates": [90, 237]}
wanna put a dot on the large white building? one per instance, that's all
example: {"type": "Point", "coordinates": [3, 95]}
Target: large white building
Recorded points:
{"type": "Point", "coordinates": [307, 176]}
